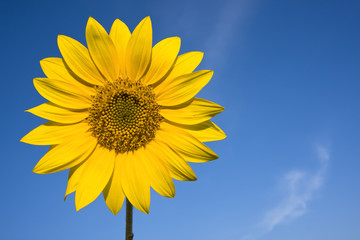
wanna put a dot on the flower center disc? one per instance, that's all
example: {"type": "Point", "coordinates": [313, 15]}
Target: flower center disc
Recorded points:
{"type": "Point", "coordinates": [124, 115]}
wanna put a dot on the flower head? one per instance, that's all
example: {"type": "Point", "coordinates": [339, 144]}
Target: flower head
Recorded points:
{"type": "Point", "coordinates": [123, 116]}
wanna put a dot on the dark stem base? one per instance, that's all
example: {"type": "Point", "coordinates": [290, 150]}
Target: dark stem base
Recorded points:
{"type": "Point", "coordinates": [129, 221]}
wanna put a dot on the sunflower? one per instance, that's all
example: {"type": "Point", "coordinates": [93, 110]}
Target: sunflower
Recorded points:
{"type": "Point", "coordinates": [123, 116]}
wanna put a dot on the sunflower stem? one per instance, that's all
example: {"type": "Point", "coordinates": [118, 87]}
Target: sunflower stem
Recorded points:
{"type": "Point", "coordinates": [129, 221]}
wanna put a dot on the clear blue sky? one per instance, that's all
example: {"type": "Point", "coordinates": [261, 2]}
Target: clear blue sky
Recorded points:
{"type": "Point", "coordinates": [288, 74]}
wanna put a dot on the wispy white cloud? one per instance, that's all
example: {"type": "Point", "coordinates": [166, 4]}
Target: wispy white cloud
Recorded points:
{"type": "Point", "coordinates": [231, 17]}
{"type": "Point", "coordinates": [300, 187]}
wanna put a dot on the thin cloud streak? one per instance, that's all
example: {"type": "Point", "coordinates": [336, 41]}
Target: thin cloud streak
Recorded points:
{"type": "Point", "coordinates": [231, 17]}
{"type": "Point", "coordinates": [300, 187]}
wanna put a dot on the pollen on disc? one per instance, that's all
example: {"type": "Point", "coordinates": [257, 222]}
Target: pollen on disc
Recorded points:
{"type": "Point", "coordinates": [124, 115]}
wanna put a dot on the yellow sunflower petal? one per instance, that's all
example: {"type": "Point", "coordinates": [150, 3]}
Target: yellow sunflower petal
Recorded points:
{"type": "Point", "coordinates": [74, 178]}
{"type": "Point", "coordinates": [205, 132]}
{"type": "Point", "coordinates": [158, 172]}
{"type": "Point", "coordinates": [197, 111]}
{"type": "Point", "coordinates": [135, 181]}
{"type": "Point", "coordinates": [179, 169]}
{"type": "Point", "coordinates": [102, 50]}
{"type": "Point", "coordinates": [113, 193]}
{"type": "Point", "coordinates": [62, 93]}
{"type": "Point", "coordinates": [185, 63]}
{"type": "Point", "coordinates": [120, 36]}
{"type": "Point", "coordinates": [67, 154]}
{"type": "Point", "coordinates": [77, 57]}
{"type": "Point", "coordinates": [55, 68]}
{"type": "Point", "coordinates": [138, 52]}
{"type": "Point", "coordinates": [183, 88]}
{"type": "Point", "coordinates": [56, 113]}
{"type": "Point", "coordinates": [52, 133]}
{"type": "Point", "coordinates": [191, 149]}
{"type": "Point", "coordinates": [163, 57]}
{"type": "Point", "coordinates": [96, 174]}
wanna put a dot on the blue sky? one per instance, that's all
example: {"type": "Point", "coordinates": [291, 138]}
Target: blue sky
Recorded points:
{"type": "Point", "coordinates": [287, 73]}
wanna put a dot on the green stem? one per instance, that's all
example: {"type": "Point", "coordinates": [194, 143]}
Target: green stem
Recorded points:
{"type": "Point", "coordinates": [129, 221]}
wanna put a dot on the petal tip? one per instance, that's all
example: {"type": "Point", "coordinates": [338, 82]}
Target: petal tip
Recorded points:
{"type": "Point", "coordinates": [146, 20]}
{"type": "Point", "coordinates": [225, 136]}
{"type": "Point", "coordinates": [40, 169]}
{"type": "Point", "coordinates": [78, 206]}
{"type": "Point", "coordinates": [172, 194]}
{"type": "Point", "coordinates": [192, 178]}
{"type": "Point", "coordinates": [25, 139]}
{"type": "Point", "coordinates": [37, 170]}
{"type": "Point", "coordinates": [60, 37]}
{"type": "Point", "coordinates": [178, 40]}
{"type": "Point", "coordinates": [115, 211]}
{"type": "Point", "coordinates": [145, 208]}
{"type": "Point", "coordinates": [91, 20]}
